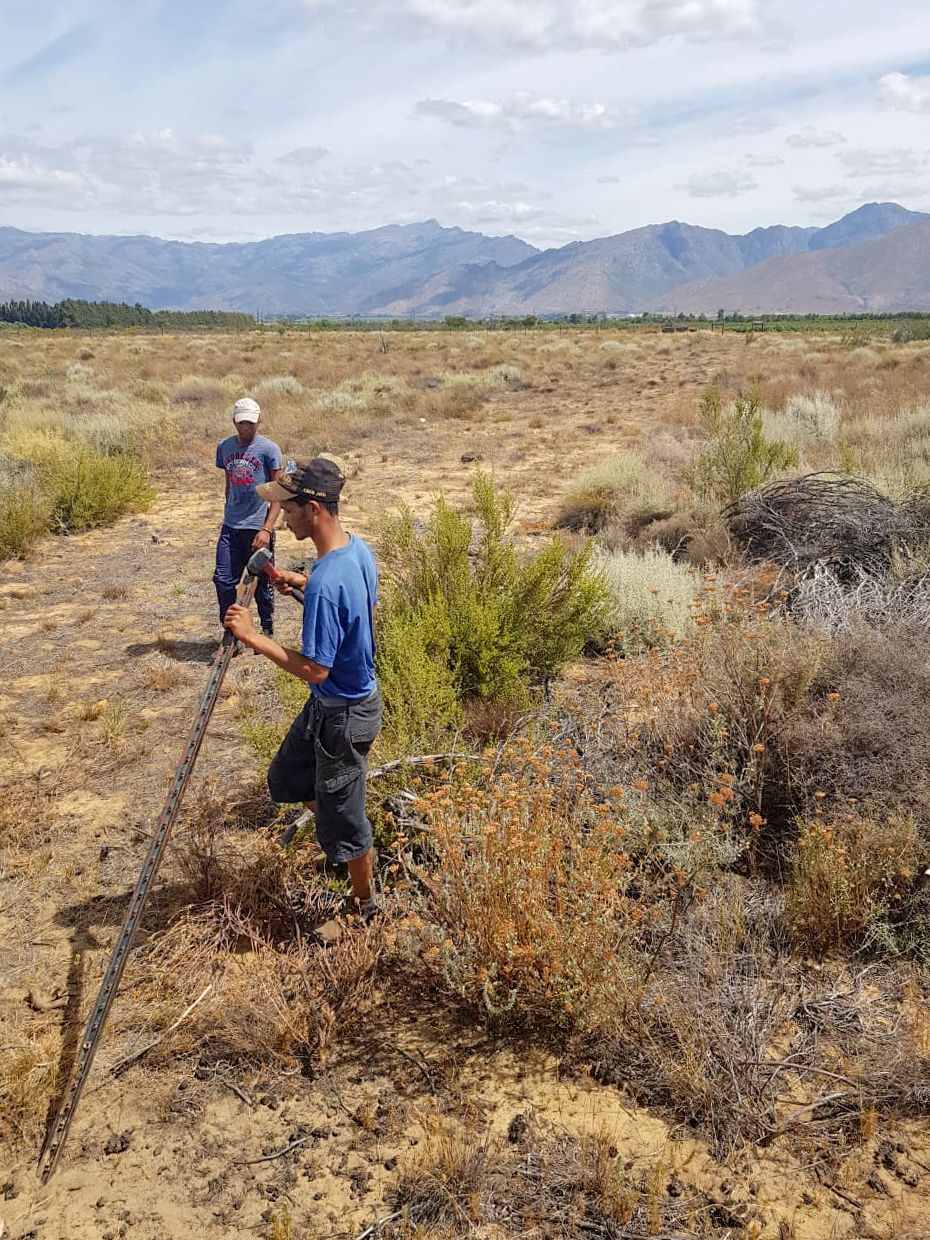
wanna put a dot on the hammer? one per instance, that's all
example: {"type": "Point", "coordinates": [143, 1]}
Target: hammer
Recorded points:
{"type": "Point", "coordinates": [260, 562]}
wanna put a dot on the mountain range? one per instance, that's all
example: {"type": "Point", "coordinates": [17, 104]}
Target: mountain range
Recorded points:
{"type": "Point", "coordinates": [876, 258]}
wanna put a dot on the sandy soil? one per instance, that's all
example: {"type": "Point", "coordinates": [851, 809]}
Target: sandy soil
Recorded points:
{"type": "Point", "coordinates": [92, 734]}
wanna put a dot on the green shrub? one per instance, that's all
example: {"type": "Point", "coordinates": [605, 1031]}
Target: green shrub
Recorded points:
{"type": "Point", "coordinates": [91, 490]}
{"type": "Point", "coordinates": [621, 490]}
{"type": "Point", "coordinates": [466, 617]}
{"type": "Point", "coordinates": [65, 486]}
{"type": "Point", "coordinates": [919, 329]}
{"type": "Point", "coordinates": [24, 515]}
{"type": "Point", "coordinates": [738, 457]}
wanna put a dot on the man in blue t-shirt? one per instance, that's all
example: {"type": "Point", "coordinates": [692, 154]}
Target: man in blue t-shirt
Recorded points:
{"type": "Point", "coordinates": [323, 760]}
{"type": "Point", "coordinates": [248, 460]}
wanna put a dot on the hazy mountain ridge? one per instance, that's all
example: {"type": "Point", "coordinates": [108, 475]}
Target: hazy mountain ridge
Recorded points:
{"type": "Point", "coordinates": [878, 275]}
{"type": "Point", "coordinates": [426, 269]}
{"type": "Point", "coordinates": [315, 273]}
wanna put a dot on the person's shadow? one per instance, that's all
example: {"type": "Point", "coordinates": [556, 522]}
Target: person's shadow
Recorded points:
{"type": "Point", "coordinates": [182, 651]}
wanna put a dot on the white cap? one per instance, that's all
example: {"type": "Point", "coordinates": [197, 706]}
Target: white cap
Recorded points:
{"type": "Point", "coordinates": [246, 410]}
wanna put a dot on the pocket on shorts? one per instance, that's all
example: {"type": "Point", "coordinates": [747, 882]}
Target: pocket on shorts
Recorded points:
{"type": "Point", "coordinates": [331, 733]}
{"type": "Point", "coordinates": [364, 722]}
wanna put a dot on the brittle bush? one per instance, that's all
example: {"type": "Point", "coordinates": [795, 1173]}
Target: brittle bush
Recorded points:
{"type": "Point", "coordinates": [846, 876]}
{"type": "Point", "coordinates": [526, 914]}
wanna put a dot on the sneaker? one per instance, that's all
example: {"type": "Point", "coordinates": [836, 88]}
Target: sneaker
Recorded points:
{"type": "Point", "coordinates": [267, 631]}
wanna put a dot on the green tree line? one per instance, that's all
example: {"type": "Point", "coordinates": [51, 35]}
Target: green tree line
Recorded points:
{"type": "Point", "coordinates": [89, 314]}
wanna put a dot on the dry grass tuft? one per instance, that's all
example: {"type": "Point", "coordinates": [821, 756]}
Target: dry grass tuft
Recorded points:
{"type": "Point", "coordinates": [276, 995]}
{"type": "Point", "coordinates": [538, 1185]}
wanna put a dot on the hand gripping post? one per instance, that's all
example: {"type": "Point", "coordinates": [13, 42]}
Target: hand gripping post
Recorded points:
{"type": "Point", "coordinates": [260, 562]}
{"type": "Point", "coordinates": [58, 1131]}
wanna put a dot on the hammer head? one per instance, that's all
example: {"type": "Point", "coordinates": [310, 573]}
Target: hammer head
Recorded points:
{"type": "Point", "coordinates": [259, 561]}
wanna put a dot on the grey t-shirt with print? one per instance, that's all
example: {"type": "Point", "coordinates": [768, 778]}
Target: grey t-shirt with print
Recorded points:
{"type": "Point", "coordinates": [247, 466]}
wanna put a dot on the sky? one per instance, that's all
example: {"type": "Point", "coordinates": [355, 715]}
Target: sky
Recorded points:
{"type": "Point", "coordinates": [554, 121]}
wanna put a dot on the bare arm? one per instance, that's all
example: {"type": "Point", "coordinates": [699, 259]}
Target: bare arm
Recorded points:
{"type": "Point", "coordinates": [263, 535]}
{"type": "Point", "coordinates": [274, 509]}
{"type": "Point", "coordinates": [239, 621]}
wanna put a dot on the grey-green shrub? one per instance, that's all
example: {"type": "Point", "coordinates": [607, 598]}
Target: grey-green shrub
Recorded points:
{"type": "Point", "coordinates": [651, 595]}
{"type": "Point", "coordinates": [621, 490]}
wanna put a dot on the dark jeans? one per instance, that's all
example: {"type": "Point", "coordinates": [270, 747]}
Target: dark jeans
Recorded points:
{"type": "Point", "coordinates": [324, 758]}
{"type": "Point", "coordinates": [233, 550]}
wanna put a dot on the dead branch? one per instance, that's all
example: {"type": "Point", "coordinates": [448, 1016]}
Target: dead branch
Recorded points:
{"type": "Point", "coordinates": [121, 1065]}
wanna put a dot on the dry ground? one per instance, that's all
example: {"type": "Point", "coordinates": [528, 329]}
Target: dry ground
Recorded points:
{"type": "Point", "coordinates": [104, 646]}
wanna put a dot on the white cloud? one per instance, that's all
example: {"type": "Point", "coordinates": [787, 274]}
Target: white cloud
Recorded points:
{"type": "Point", "coordinates": [811, 138]}
{"type": "Point", "coordinates": [567, 25]}
{"type": "Point", "coordinates": [23, 176]}
{"type": "Point", "coordinates": [820, 193]}
{"type": "Point", "coordinates": [763, 161]}
{"type": "Point", "coordinates": [718, 185]}
{"type": "Point", "coordinates": [882, 161]}
{"type": "Point", "coordinates": [303, 156]}
{"type": "Point", "coordinates": [898, 92]}
{"type": "Point", "coordinates": [519, 111]}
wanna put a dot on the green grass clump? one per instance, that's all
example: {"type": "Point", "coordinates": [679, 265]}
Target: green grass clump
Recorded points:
{"type": "Point", "coordinates": [465, 617]}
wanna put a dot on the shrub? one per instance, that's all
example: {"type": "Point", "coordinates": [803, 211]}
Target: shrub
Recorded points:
{"type": "Point", "coordinates": [738, 457]}
{"type": "Point", "coordinates": [845, 877]}
{"type": "Point", "coordinates": [806, 422]}
{"type": "Point", "coordinates": [917, 330]}
{"type": "Point", "coordinates": [25, 510]}
{"type": "Point", "coordinates": [461, 597]}
{"type": "Point", "coordinates": [90, 490]}
{"type": "Point", "coordinates": [286, 385]}
{"type": "Point", "coordinates": [86, 489]}
{"type": "Point", "coordinates": [651, 595]}
{"type": "Point", "coordinates": [866, 732]}
{"type": "Point", "coordinates": [622, 490]}
{"type": "Point", "coordinates": [524, 914]}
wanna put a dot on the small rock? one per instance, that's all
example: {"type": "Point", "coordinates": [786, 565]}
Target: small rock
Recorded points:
{"type": "Point", "coordinates": [390, 1164]}
{"type": "Point", "coordinates": [516, 1129]}
{"type": "Point", "coordinates": [320, 1134]}
{"type": "Point", "coordinates": [118, 1144]}
{"type": "Point", "coordinates": [675, 1187]}
{"type": "Point", "coordinates": [468, 458]}
{"type": "Point", "coordinates": [9, 1190]}
{"type": "Point", "coordinates": [877, 1183]}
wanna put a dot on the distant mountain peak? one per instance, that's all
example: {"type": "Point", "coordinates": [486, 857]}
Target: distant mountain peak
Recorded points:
{"type": "Point", "coordinates": [872, 219]}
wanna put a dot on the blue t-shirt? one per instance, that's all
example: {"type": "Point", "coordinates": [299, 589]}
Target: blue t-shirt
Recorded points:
{"type": "Point", "coordinates": [339, 608]}
{"type": "Point", "coordinates": [247, 466]}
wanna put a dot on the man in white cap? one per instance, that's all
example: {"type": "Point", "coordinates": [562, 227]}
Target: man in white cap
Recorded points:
{"type": "Point", "coordinates": [248, 460]}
